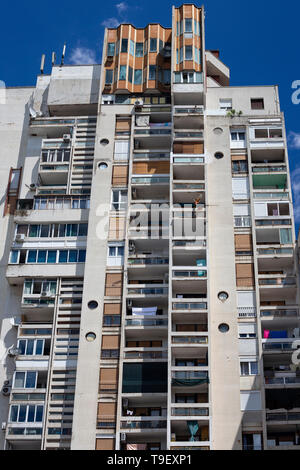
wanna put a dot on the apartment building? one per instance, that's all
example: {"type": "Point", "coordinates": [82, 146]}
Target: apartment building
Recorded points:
{"type": "Point", "coordinates": [149, 267]}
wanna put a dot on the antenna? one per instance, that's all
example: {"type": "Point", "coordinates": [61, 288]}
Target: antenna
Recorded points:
{"type": "Point", "coordinates": [63, 54]}
{"type": "Point", "coordinates": [43, 63]}
{"type": "Point", "coordinates": [53, 58]}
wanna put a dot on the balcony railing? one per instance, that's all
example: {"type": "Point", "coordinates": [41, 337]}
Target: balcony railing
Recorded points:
{"type": "Point", "coordinates": [183, 185]}
{"type": "Point", "coordinates": [188, 134]}
{"type": "Point", "coordinates": [275, 251]}
{"type": "Point", "coordinates": [272, 222]}
{"type": "Point", "coordinates": [195, 274]}
{"type": "Point", "coordinates": [148, 290]}
{"type": "Point", "coordinates": [269, 169]}
{"type": "Point", "coordinates": [282, 380]}
{"type": "Point", "coordinates": [190, 411]}
{"type": "Point", "coordinates": [188, 109]}
{"type": "Point", "coordinates": [265, 313]}
{"type": "Point", "coordinates": [283, 416]}
{"type": "Point", "coordinates": [278, 281]}
{"type": "Point", "coordinates": [190, 339]}
{"type": "Point", "coordinates": [188, 159]}
{"type": "Point", "coordinates": [156, 132]}
{"type": "Point", "coordinates": [154, 424]}
{"type": "Point", "coordinates": [145, 355]}
{"type": "Point", "coordinates": [190, 306]}
{"type": "Point", "coordinates": [148, 261]}
{"type": "Point", "coordinates": [151, 180]}
{"type": "Point", "coordinates": [146, 322]}
{"type": "Point", "coordinates": [151, 156]}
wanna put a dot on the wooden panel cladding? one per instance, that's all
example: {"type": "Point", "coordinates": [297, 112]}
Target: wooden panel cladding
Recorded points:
{"type": "Point", "coordinates": [189, 148]}
{"type": "Point", "coordinates": [107, 411]}
{"type": "Point", "coordinates": [123, 124]}
{"type": "Point", "coordinates": [120, 175]}
{"type": "Point", "coordinates": [111, 342]}
{"type": "Point", "coordinates": [245, 275]}
{"type": "Point", "coordinates": [117, 227]}
{"type": "Point", "coordinates": [105, 444]}
{"type": "Point", "coordinates": [150, 168]}
{"type": "Point", "coordinates": [112, 309]}
{"type": "Point", "coordinates": [238, 158]}
{"type": "Point", "coordinates": [108, 380]}
{"type": "Point", "coordinates": [243, 242]}
{"type": "Point", "coordinates": [114, 284]}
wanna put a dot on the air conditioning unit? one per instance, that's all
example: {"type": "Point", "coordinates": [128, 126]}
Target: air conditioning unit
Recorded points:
{"type": "Point", "coordinates": [44, 293]}
{"type": "Point", "coordinates": [14, 352]}
{"type": "Point", "coordinates": [129, 303]}
{"type": "Point", "coordinates": [134, 193]}
{"type": "Point", "coordinates": [123, 437]}
{"type": "Point", "coordinates": [3, 426]}
{"type": "Point", "coordinates": [6, 391]}
{"type": "Point", "coordinates": [32, 187]}
{"type": "Point", "coordinates": [66, 137]}
{"type": "Point", "coordinates": [6, 383]}
{"type": "Point", "coordinates": [139, 102]}
{"type": "Point", "coordinates": [20, 238]}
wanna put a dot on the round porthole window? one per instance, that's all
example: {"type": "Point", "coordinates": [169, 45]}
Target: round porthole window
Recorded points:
{"type": "Point", "coordinates": [104, 142]}
{"type": "Point", "coordinates": [218, 131]}
{"type": "Point", "coordinates": [102, 166]}
{"type": "Point", "coordinates": [223, 328]}
{"type": "Point", "coordinates": [223, 296]}
{"type": "Point", "coordinates": [219, 155]}
{"type": "Point", "coordinates": [93, 304]}
{"type": "Point", "coordinates": [90, 337]}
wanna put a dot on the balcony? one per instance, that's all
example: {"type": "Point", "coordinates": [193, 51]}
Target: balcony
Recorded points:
{"type": "Point", "coordinates": [190, 432]}
{"type": "Point", "coordinates": [149, 156]}
{"type": "Point", "coordinates": [152, 265]}
{"type": "Point", "coordinates": [263, 168]}
{"type": "Point", "coordinates": [284, 284]}
{"type": "Point", "coordinates": [269, 181]}
{"type": "Point", "coordinates": [190, 410]}
{"type": "Point", "coordinates": [278, 317]}
{"type": "Point", "coordinates": [282, 380]}
{"type": "Point", "coordinates": [144, 425]}
{"type": "Point", "coordinates": [145, 354]}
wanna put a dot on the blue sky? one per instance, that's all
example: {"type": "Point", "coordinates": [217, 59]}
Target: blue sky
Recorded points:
{"type": "Point", "coordinates": [258, 40]}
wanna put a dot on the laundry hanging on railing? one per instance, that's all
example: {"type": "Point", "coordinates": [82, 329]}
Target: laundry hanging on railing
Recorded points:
{"type": "Point", "coordinates": [150, 311]}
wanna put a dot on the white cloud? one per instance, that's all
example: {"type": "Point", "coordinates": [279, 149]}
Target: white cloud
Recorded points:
{"type": "Point", "coordinates": [122, 7]}
{"type": "Point", "coordinates": [111, 23]}
{"type": "Point", "coordinates": [83, 56]}
{"type": "Point", "coordinates": [295, 176]}
{"type": "Point", "coordinates": [294, 140]}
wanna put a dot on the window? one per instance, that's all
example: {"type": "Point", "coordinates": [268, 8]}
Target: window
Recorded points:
{"type": "Point", "coordinates": [119, 200]}
{"type": "Point", "coordinates": [122, 150]}
{"type": "Point", "coordinates": [138, 76]}
{"type": "Point", "coordinates": [131, 47]}
{"type": "Point", "coordinates": [115, 255]}
{"type": "Point", "coordinates": [188, 25]}
{"type": "Point", "coordinates": [31, 347]}
{"type": "Point", "coordinates": [152, 72]}
{"type": "Point", "coordinates": [188, 52]}
{"type": "Point", "coordinates": [26, 379]}
{"type": "Point", "coordinates": [249, 368]}
{"type": "Point", "coordinates": [225, 104]}
{"type": "Point", "coordinates": [181, 55]}
{"type": "Point", "coordinates": [139, 49]}
{"type": "Point", "coordinates": [26, 414]}
{"type": "Point", "coordinates": [130, 74]}
{"type": "Point", "coordinates": [257, 103]}
{"type": "Point", "coordinates": [111, 49]}
{"type": "Point", "coordinates": [237, 135]}
{"type": "Point", "coordinates": [109, 74]}
{"type": "Point", "coordinates": [124, 45]}
{"type": "Point", "coordinates": [122, 74]}
{"type": "Point", "coordinates": [153, 44]}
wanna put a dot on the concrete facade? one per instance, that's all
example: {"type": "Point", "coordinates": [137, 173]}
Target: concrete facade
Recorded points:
{"type": "Point", "coordinates": [149, 277]}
